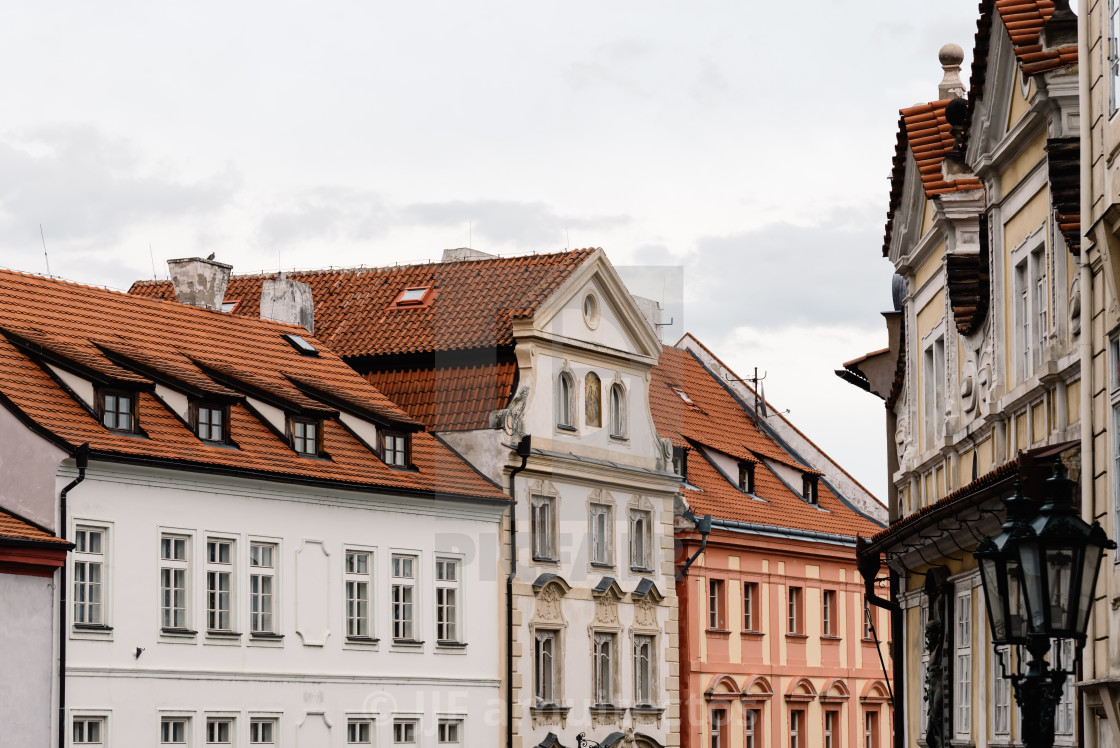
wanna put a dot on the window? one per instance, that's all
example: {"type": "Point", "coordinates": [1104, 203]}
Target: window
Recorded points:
{"type": "Point", "coordinates": [404, 583]}
{"type": "Point", "coordinates": [544, 528]}
{"type": "Point", "coordinates": [869, 623]}
{"type": "Point", "coordinates": [680, 461]}
{"type": "Point", "coordinates": [357, 580]}
{"type": "Point", "coordinates": [871, 730]}
{"type": "Point", "coordinates": [305, 436]}
{"type": "Point", "coordinates": [809, 489]}
{"type": "Point", "coordinates": [831, 731]}
{"type": "Point", "coordinates": [412, 295]}
{"type": "Point", "coordinates": [219, 731]}
{"type": "Point", "coordinates": [682, 395]}
{"type": "Point", "coordinates": [359, 732]}
{"type": "Point", "coordinates": [618, 411]}
{"type": "Point", "coordinates": [750, 596]}
{"type": "Point", "coordinates": [796, 726]}
{"type": "Point", "coordinates": [719, 728]}
{"type": "Point", "coordinates": [262, 577]}
{"type": "Point", "coordinates": [89, 567]}
{"type": "Point", "coordinates": [301, 345]}
{"type": "Point", "coordinates": [593, 400]}
{"type": "Point", "coordinates": [210, 422]}
{"type": "Point", "coordinates": [793, 610]}
{"type": "Point", "coordinates": [1061, 657]}
{"type": "Point", "coordinates": [1001, 691]}
{"type": "Point", "coordinates": [404, 732]}
{"type": "Point", "coordinates": [394, 448]}
{"type": "Point", "coordinates": [219, 581]}
{"type": "Point", "coordinates": [262, 732]}
{"type": "Point", "coordinates": [173, 574]}
{"type": "Point", "coordinates": [545, 680]}
{"type": "Point", "coordinates": [1031, 307]}
{"type": "Point", "coordinates": [641, 542]}
{"type": "Point", "coordinates": [644, 653]}
{"type": "Point", "coordinates": [1113, 55]}
{"type": "Point", "coordinates": [753, 719]}
{"type": "Point", "coordinates": [173, 731]}
{"type": "Point", "coordinates": [933, 391]}
{"type": "Point", "coordinates": [450, 732]}
{"type": "Point", "coordinates": [717, 604]}
{"type": "Point", "coordinates": [602, 534]}
{"type": "Point", "coordinates": [117, 411]}
{"type": "Point", "coordinates": [603, 668]}
{"type": "Point", "coordinates": [828, 613]}
{"type": "Point", "coordinates": [746, 477]}
{"type": "Point", "coordinates": [565, 401]}
{"type": "Point", "coordinates": [1114, 399]}
{"type": "Point", "coordinates": [89, 731]}
{"type": "Point", "coordinates": [447, 600]}
{"type": "Point", "coordinates": [963, 665]}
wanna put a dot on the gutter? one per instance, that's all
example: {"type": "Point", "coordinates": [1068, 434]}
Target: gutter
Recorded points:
{"type": "Point", "coordinates": [524, 448]}
{"type": "Point", "coordinates": [786, 532]}
{"type": "Point", "coordinates": [81, 459]}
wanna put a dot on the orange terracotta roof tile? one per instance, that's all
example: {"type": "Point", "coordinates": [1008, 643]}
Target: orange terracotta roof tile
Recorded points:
{"type": "Point", "coordinates": [718, 421]}
{"type": "Point", "coordinates": [475, 306]}
{"type": "Point", "coordinates": [1024, 20]}
{"type": "Point", "coordinates": [17, 528]}
{"type": "Point", "coordinates": [172, 334]}
{"type": "Point", "coordinates": [449, 397]}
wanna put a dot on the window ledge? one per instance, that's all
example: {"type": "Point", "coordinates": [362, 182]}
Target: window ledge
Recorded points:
{"type": "Point", "coordinates": [181, 633]}
{"type": "Point", "coordinates": [265, 635]}
{"type": "Point", "coordinates": [609, 711]}
{"type": "Point", "coordinates": [647, 709]}
{"type": "Point", "coordinates": [721, 633]}
{"type": "Point", "coordinates": [550, 709]}
{"type": "Point", "coordinates": [601, 565]}
{"type": "Point", "coordinates": [91, 631]}
{"type": "Point", "coordinates": [617, 438]}
{"type": "Point", "coordinates": [794, 635]}
{"type": "Point", "coordinates": [830, 638]}
{"type": "Point", "coordinates": [451, 645]}
{"type": "Point", "coordinates": [563, 427]}
{"type": "Point", "coordinates": [222, 634]}
{"type": "Point", "coordinates": [368, 640]}
{"type": "Point", "coordinates": [92, 627]}
{"type": "Point", "coordinates": [753, 633]}
{"type": "Point", "coordinates": [642, 569]}
{"type": "Point", "coordinates": [409, 644]}
{"type": "Point", "coordinates": [547, 560]}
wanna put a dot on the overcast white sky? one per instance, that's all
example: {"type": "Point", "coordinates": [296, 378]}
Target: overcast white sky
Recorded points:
{"type": "Point", "coordinates": [747, 142]}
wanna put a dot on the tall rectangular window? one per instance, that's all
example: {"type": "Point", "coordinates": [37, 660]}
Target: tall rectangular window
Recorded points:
{"type": "Point", "coordinates": [871, 730]}
{"type": "Point", "coordinates": [173, 574]}
{"type": "Point", "coordinates": [545, 674]}
{"type": "Point", "coordinates": [88, 731]}
{"type": "Point", "coordinates": [262, 731]}
{"type": "Point", "coordinates": [89, 570]}
{"type": "Point", "coordinates": [262, 583]}
{"type": "Point", "coordinates": [750, 615]}
{"type": "Point", "coordinates": [1031, 312]}
{"type": "Point", "coordinates": [793, 610]}
{"type": "Point", "coordinates": [219, 584]}
{"type": "Point", "coordinates": [641, 540]}
{"type": "Point", "coordinates": [1113, 56]}
{"type": "Point", "coordinates": [447, 600]}
{"type": "Point", "coordinates": [359, 732]}
{"type": "Point", "coordinates": [754, 728]}
{"type": "Point", "coordinates": [796, 728]}
{"type": "Point", "coordinates": [603, 663]}
{"type": "Point", "coordinates": [963, 664]}
{"type": "Point", "coordinates": [357, 582]}
{"type": "Point", "coordinates": [933, 391]}
{"type": "Point", "coordinates": [601, 518]}
{"type": "Point", "coordinates": [644, 653]}
{"type": "Point", "coordinates": [1061, 656]}
{"type": "Point", "coordinates": [923, 669]}
{"type": "Point", "coordinates": [404, 591]}
{"type": "Point", "coordinates": [829, 620]}
{"type": "Point", "coordinates": [719, 728]}
{"type": "Point", "coordinates": [173, 731]}
{"type": "Point", "coordinates": [544, 528]}
{"type": "Point", "coordinates": [831, 729]}
{"type": "Point", "coordinates": [1001, 691]}
{"type": "Point", "coordinates": [717, 605]}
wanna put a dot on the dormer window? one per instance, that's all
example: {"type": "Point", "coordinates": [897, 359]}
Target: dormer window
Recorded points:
{"type": "Point", "coordinates": [394, 449]}
{"type": "Point", "coordinates": [680, 462]}
{"type": "Point", "coordinates": [746, 477]}
{"type": "Point", "coordinates": [118, 410]}
{"type": "Point", "coordinates": [210, 422]}
{"type": "Point", "coordinates": [809, 489]}
{"type": "Point", "coordinates": [305, 436]}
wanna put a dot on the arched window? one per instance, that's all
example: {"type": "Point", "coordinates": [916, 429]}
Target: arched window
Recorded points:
{"type": "Point", "coordinates": [618, 411]}
{"type": "Point", "coordinates": [593, 401]}
{"type": "Point", "coordinates": [565, 401]}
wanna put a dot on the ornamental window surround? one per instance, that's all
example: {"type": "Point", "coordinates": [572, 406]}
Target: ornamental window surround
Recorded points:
{"type": "Point", "coordinates": [618, 420]}
{"type": "Point", "coordinates": [543, 520]}
{"type": "Point", "coordinates": [565, 401]}
{"type": "Point", "coordinates": [604, 661]}
{"type": "Point", "coordinates": [962, 664]}
{"type": "Point", "coordinates": [641, 540]}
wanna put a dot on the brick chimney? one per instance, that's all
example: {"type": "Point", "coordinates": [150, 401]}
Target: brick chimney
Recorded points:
{"type": "Point", "coordinates": [199, 282]}
{"type": "Point", "coordinates": [288, 301]}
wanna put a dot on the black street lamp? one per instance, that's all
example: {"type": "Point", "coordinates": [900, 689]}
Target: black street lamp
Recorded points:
{"type": "Point", "coordinates": [1038, 576]}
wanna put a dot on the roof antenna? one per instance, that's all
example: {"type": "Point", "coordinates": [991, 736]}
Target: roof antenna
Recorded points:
{"type": "Point", "coordinates": [567, 240]}
{"type": "Point", "coordinates": [48, 259]}
{"type": "Point", "coordinates": [470, 234]}
{"type": "Point", "coordinates": [153, 257]}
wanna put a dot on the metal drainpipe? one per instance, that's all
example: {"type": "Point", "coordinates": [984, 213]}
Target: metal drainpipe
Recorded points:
{"type": "Point", "coordinates": [523, 450]}
{"type": "Point", "coordinates": [81, 459]}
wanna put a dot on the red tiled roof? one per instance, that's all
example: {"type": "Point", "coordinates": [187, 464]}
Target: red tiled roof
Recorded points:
{"type": "Point", "coordinates": [449, 398]}
{"type": "Point", "coordinates": [719, 422]}
{"type": "Point", "coordinates": [475, 303]}
{"type": "Point", "coordinates": [1023, 20]}
{"type": "Point", "coordinates": [15, 528]}
{"type": "Point", "coordinates": [176, 335]}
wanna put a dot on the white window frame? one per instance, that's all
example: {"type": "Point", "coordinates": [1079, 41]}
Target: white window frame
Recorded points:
{"type": "Point", "coordinates": [1030, 305]}
{"type": "Point", "coordinates": [751, 718]}
{"type": "Point", "coordinates": [543, 525]}
{"type": "Point", "coordinates": [933, 387]}
{"type": "Point", "coordinates": [829, 619]}
{"type": "Point", "coordinates": [795, 610]}
{"type": "Point", "coordinates": [403, 597]}
{"type": "Point", "coordinates": [717, 603]}
{"type": "Point", "coordinates": [400, 730]}
{"type": "Point", "coordinates": [264, 720]}
{"type": "Point", "coordinates": [1114, 433]}
{"type": "Point", "coordinates": [962, 663]}
{"type": "Point", "coordinates": [85, 611]}
{"type": "Point", "coordinates": [645, 656]}
{"type": "Point", "coordinates": [447, 723]}
{"type": "Point", "coordinates": [831, 718]}
{"type": "Point", "coordinates": [84, 720]}
{"type": "Point", "coordinates": [796, 726]}
{"type": "Point", "coordinates": [546, 667]}
{"type": "Point", "coordinates": [359, 624]}
{"type": "Point", "coordinates": [1062, 653]}
{"type": "Point", "coordinates": [167, 738]}
{"type": "Point", "coordinates": [354, 725]}
{"type": "Point", "coordinates": [604, 663]}
{"type": "Point", "coordinates": [600, 547]}
{"type": "Point", "coordinates": [212, 734]}
{"type": "Point", "coordinates": [264, 584]}
{"type": "Point", "coordinates": [641, 539]}
{"type": "Point", "coordinates": [1001, 691]}
{"type": "Point", "coordinates": [1113, 56]}
{"type": "Point", "coordinates": [618, 411]}
{"type": "Point", "coordinates": [175, 580]}
{"type": "Point", "coordinates": [565, 400]}
{"type": "Point", "coordinates": [449, 600]}
{"type": "Point", "coordinates": [750, 612]}
{"type": "Point", "coordinates": [214, 568]}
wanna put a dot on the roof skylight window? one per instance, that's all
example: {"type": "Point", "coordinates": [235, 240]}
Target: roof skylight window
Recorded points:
{"type": "Point", "coordinates": [683, 396]}
{"type": "Point", "coordinates": [229, 306]}
{"type": "Point", "coordinates": [301, 345]}
{"type": "Point", "coordinates": [413, 295]}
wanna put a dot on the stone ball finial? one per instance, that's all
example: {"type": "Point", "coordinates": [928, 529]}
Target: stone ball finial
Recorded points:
{"type": "Point", "coordinates": [951, 54]}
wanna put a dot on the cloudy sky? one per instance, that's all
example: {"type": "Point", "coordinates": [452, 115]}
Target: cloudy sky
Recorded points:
{"type": "Point", "coordinates": [743, 145]}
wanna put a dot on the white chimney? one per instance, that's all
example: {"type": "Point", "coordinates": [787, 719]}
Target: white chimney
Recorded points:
{"type": "Point", "coordinates": [951, 56]}
{"type": "Point", "coordinates": [199, 282]}
{"type": "Point", "coordinates": [465, 254]}
{"type": "Point", "coordinates": [288, 301]}
{"type": "Point", "coordinates": [651, 310]}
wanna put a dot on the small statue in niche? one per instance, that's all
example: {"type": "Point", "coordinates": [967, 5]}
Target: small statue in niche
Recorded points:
{"type": "Point", "coordinates": [593, 400]}
{"type": "Point", "coordinates": [935, 696]}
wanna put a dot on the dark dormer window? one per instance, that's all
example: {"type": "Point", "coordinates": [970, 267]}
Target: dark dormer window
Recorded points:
{"type": "Point", "coordinates": [394, 449]}
{"type": "Point", "coordinates": [746, 477]}
{"type": "Point", "coordinates": [809, 489]}
{"type": "Point", "coordinates": [118, 410]}
{"type": "Point", "coordinates": [305, 436]}
{"type": "Point", "coordinates": [211, 422]}
{"type": "Point", "coordinates": [680, 462]}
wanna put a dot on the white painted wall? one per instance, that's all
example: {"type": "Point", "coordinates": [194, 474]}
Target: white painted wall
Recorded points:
{"type": "Point", "coordinates": [28, 464]}
{"type": "Point", "coordinates": [27, 659]}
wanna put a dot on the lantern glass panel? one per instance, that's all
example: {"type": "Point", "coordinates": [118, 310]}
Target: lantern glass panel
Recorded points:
{"type": "Point", "coordinates": [993, 594]}
{"type": "Point", "coordinates": [1031, 566]}
{"type": "Point", "coordinates": [1059, 571]}
{"type": "Point", "coordinates": [1017, 617]}
{"type": "Point", "coordinates": [1090, 566]}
